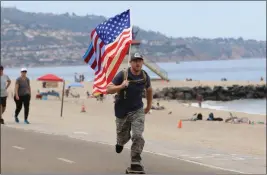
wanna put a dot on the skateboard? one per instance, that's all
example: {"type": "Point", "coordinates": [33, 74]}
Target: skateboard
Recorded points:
{"type": "Point", "coordinates": [130, 171]}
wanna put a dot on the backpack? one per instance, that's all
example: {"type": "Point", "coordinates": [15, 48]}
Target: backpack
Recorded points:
{"type": "Point", "coordinates": [125, 76]}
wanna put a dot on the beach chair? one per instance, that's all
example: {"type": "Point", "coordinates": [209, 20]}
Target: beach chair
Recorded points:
{"type": "Point", "coordinates": [236, 120]}
{"type": "Point", "coordinates": [74, 95]}
{"type": "Point", "coordinates": [38, 96]}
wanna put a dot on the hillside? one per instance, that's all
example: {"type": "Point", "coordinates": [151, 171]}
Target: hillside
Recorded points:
{"type": "Point", "coordinates": [37, 39]}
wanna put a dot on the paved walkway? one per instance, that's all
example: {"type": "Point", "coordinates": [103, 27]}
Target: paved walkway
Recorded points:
{"type": "Point", "coordinates": [31, 152]}
{"type": "Point", "coordinates": [90, 131]}
{"type": "Point", "coordinates": [95, 126]}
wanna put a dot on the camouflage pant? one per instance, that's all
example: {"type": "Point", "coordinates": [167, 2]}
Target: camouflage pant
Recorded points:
{"type": "Point", "coordinates": [133, 121]}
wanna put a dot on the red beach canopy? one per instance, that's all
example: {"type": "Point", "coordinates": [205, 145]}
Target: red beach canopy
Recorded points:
{"type": "Point", "coordinates": [50, 77]}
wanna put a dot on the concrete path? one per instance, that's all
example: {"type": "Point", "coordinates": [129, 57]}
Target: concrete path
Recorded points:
{"type": "Point", "coordinates": [31, 152]}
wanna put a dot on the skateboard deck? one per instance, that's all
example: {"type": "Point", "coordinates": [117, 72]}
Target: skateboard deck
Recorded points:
{"type": "Point", "coordinates": [130, 171]}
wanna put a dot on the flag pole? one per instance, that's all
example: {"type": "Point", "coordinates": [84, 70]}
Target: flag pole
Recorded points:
{"type": "Point", "coordinates": [62, 98]}
{"type": "Point", "coordinates": [129, 55]}
{"type": "Point", "coordinates": [130, 48]}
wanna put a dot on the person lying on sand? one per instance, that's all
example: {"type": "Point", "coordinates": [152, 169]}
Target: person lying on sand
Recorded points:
{"type": "Point", "coordinates": [236, 120]}
{"type": "Point", "coordinates": [158, 107]}
{"type": "Point", "coordinates": [212, 118]}
{"type": "Point", "coordinates": [199, 117]}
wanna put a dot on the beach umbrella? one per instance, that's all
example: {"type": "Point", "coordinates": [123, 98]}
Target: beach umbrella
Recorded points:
{"type": "Point", "coordinates": [54, 78]}
{"type": "Point", "coordinates": [50, 78]}
{"type": "Point", "coordinates": [75, 85]}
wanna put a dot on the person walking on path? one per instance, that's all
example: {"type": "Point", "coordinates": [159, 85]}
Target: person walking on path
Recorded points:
{"type": "Point", "coordinates": [4, 83]}
{"type": "Point", "coordinates": [22, 95]}
{"type": "Point", "coordinates": [130, 115]}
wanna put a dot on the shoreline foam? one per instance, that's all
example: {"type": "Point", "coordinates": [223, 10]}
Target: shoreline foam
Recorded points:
{"type": "Point", "coordinates": [229, 106]}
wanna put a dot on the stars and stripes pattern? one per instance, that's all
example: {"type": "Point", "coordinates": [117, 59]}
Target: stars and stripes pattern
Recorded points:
{"type": "Point", "coordinates": [109, 45]}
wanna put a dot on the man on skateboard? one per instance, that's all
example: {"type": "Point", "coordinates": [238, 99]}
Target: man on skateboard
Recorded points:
{"type": "Point", "coordinates": [129, 85]}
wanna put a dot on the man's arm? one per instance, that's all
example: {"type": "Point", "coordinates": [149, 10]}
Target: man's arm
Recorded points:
{"type": "Point", "coordinates": [116, 85]}
{"type": "Point", "coordinates": [17, 88]}
{"type": "Point", "coordinates": [8, 82]}
{"type": "Point", "coordinates": [112, 89]}
{"type": "Point", "coordinates": [149, 93]}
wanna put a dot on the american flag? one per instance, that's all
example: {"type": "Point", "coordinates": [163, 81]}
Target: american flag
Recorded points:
{"type": "Point", "coordinates": [110, 42]}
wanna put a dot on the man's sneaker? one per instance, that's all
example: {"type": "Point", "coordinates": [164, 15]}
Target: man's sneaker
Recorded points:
{"type": "Point", "coordinates": [2, 121]}
{"type": "Point", "coordinates": [16, 119]}
{"type": "Point", "coordinates": [26, 122]}
{"type": "Point", "coordinates": [119, 148]}
{"type": "Point", "coordinates": [137, 167]}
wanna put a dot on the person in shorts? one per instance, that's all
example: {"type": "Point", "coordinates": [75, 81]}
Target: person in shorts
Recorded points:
{"type": "Point", "coordinates": [5, 83]}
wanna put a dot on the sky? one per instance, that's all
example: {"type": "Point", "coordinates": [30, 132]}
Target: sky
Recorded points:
{"type": "Point", "coordinates": [205, 19]}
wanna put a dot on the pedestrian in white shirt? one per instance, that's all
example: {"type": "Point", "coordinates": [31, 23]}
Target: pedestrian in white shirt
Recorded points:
{"type": "Point", "coordinates": [5, 83]}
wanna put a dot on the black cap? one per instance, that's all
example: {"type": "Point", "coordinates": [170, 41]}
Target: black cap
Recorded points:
{"type": "Point", "coordinates": [136, 56]}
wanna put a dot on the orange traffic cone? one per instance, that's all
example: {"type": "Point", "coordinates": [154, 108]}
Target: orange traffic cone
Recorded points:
{"type": "Point", "coordinates": [83, 108]}
{"type": "Point", "coordinates": [180, 124]}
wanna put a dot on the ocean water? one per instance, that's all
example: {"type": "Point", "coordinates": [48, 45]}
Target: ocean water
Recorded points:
{"type": "Point", "coordinates": [250, 106]}
{"type": "Point", "coordinates": [235, 70]}
{"type": "Point", "coordinates": [246, 69]}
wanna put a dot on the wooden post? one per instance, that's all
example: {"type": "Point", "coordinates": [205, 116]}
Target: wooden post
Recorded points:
{"type": "Point", "coordinates": [62, 99]}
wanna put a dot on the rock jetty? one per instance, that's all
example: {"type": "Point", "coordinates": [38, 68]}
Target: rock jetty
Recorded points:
{"type": "Point", "coordinates": [216, 93]}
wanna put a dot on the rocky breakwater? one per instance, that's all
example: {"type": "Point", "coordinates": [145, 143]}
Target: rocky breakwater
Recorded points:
{"type": "Point", "coordinates": [216, 93]}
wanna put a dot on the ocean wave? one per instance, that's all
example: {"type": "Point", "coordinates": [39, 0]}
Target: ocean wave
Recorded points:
{"type": "Point", "coordinates": [252, 106]}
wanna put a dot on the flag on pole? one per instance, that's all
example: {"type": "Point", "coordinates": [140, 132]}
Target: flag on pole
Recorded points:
{"type": "Point", "coordinates": [110, 43]}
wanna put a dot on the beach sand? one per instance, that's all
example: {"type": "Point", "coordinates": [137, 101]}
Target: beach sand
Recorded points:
{"type": "Point", "coordinates": [233, 146]}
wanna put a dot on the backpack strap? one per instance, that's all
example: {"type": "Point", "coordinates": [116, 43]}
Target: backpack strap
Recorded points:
{"type": "Point", "coordinates": [125, 76]}
{"type": "Point", "coordinates": [145, 77]}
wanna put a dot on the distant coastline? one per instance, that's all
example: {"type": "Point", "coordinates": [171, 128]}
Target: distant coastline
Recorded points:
{"type": "Point", "coordinates": [158, 62]}
{"type": "Point", "coordinates": [34, 40]}
{"type": "Point", "coordinates": [232, 70]}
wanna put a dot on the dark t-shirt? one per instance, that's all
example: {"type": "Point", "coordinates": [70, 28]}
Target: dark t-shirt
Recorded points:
{"type": "Point", "coordinates": [132, 99]}
{"type": "Point", "coordinates": [24, 86]}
